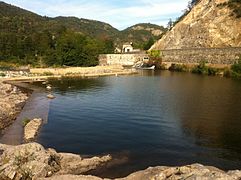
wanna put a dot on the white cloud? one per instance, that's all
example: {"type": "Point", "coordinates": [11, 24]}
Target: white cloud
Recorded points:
{"type": "Point", "coordinates": [119, 14]}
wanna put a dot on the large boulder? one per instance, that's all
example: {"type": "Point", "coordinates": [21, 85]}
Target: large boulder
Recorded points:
{"type": "Point", "coordinates": [32, 161]}
{"type": "Point", "coordinates": [27, 161]}
{"type": "Point", "coordinates": [74, 164]}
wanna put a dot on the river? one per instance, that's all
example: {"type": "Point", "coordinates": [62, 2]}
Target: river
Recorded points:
{"type": "Point", "coordinates": [149, 119]}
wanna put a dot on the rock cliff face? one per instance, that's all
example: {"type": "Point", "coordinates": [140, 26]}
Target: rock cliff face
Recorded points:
{"type": "Point", "coordinates": [208, 24]}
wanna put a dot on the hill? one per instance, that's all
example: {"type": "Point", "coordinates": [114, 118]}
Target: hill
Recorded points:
{"type": "Point", "coordinates": [28, 38]}
{"type": "Point", "coordinates": [209, 23]}
{"type": "Point", "coordinates": [140, 34]}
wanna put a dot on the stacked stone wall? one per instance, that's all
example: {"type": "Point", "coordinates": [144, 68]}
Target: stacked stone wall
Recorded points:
{"type": "Point", "coordinates": [210, 55]}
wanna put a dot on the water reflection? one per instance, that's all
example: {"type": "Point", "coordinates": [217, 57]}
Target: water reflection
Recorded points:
{"type": "Point", "coordinates": [159, 118]}
{"type": "Point", "coordinates": [211, 112]}
{"type": "Point", "coordinates": [69, 84]}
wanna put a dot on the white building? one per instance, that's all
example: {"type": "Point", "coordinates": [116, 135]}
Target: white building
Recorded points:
{"type": "Point", "coordinates": [127, 48]}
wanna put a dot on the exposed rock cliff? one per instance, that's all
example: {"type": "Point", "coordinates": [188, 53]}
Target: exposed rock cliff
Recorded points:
{"type": "Point", "coordinates": [210, 23]}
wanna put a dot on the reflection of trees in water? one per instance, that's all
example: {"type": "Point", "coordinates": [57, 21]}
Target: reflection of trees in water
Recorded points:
{"type": "Point", "coordinates": [211, 113]}
{"type": "Point", "coordinates": [66, 84]}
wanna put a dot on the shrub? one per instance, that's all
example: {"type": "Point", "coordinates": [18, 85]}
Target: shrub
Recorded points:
{"type": "Point", "coordinates": [236, 69]}
{"type": "Point", "coordinates": [25, 121]}
{"type": "Point", "coordinates": [178, 68]}
{"type": "Point", "coordinates": [227, 72]}
{"type": "Point", "coordinates": [201, 68]}
{"type": "Point", "coordinates": [163, 66]}
{"type": "Point", "coordinates": [212, 71]}
{"type": "Point", "coordinates": [2, 74]}
{"type": "Point", "coordinates": [154, 53]}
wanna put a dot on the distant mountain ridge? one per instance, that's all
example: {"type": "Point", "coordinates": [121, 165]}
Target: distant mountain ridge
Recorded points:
{"type": "Point", "coordinates": [15, 19]}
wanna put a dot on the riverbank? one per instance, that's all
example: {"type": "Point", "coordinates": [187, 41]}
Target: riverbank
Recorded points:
{"type": "Point", "coordinates": [32, 161]}
{"type": "Point", "coordinates": [45, 73]}
{"type": "Point", "coordinates": [83, 71]}
{"type": "Point", "coordinates": [11, 103]}
{"type": "Point", "coordinates": [223, 70]}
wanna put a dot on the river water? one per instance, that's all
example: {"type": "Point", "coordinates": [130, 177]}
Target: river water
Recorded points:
{"type": "Point", "coordinates": [149, 119]}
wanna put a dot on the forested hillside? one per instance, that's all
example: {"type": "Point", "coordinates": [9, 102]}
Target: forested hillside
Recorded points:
{"type": "Point", "coordinates": [27, 38]}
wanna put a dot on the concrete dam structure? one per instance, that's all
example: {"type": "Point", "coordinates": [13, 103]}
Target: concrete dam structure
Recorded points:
{"type": "Point", "coordinates": [122, 59]}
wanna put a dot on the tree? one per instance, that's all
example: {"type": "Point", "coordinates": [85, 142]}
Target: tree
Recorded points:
{"type": "Point", "coordinates": [170, 24]}
{"type": "Point", "coordinates": [149, 43]}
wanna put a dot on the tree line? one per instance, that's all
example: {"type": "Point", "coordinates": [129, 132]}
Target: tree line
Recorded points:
{"type": "Point", "coordinates": [65, 48]}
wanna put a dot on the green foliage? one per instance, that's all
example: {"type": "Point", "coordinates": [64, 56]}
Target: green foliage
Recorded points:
{"type": "Point", "coordinates": [25, 121]}
{"type": "Point", "coordinates": [2, 74]}
{"type": "Point", "coordinates": [154, 53]}
{"type": "Point", "coordinates": [48, 74]}
{"type": "Point", "coordinates": [178, 68]}
{"type": "Point", "coordinates": [236, 69]}
{"type": "Point", "coordinates": [149, 44]}
{"type": "Point", "coordinates": [227, 72]}
{"type": "Point", "coordinates": [27, 38]}
{"type": "Point", "coordinates": [139, 34]}
{"type": "Point", "coordinates": [203, 69]}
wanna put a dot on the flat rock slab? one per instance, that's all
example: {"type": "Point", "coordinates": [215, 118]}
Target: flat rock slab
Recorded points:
{"type": "Point", "coordinates": [31, 129]}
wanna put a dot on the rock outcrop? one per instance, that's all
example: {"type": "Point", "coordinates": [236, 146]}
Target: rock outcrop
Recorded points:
{"type": "Point", "coordinates": [208, 24]}
{"type": "Point", "coordinates": [11, 103]}
{"type": "Point", "coordinates": [189, 172]}
{"type": "Point", "coordinates": [31, 129]}
{"type": "Point", "coordinates": [32, 161]}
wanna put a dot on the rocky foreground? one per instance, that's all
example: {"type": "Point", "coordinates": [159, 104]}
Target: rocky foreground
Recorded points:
{"type": "Point", "coordinates": [32, 161]}
{"type": "Point", "coordinates": [12, 101]}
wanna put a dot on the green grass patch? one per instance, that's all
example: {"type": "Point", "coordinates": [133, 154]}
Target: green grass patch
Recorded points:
{"type": "Point", "coordinates": [48, 74]}
{"type": "Point", "coordinates": [25, 121]}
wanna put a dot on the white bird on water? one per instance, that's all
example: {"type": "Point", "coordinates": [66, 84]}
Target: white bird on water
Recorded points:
{"type": "Point", "coordinates": [48, 87]}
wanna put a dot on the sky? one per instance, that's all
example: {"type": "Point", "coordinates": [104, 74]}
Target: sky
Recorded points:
{"type": "Point", "coordinates": [118, 13]}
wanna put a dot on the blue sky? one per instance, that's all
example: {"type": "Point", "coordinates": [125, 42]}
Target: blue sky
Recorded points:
{"type": "Point", "coordinates": [119, 13]}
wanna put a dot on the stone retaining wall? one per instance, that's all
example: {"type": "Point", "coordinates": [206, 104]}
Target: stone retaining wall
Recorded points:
{"type": "Point", "coordinates": [121, 59]}
{"type": "Point", "coordinates": [210, 55]}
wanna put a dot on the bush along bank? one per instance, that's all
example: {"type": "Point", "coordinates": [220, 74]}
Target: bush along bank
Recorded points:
{"type": "Point", "coordinates": [236, 69]}
{"type": "Point", "coordinates": [202, 68]}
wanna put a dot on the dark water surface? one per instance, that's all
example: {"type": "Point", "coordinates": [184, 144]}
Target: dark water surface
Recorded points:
{"type": "Point", "coordinates": [150, 119]}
